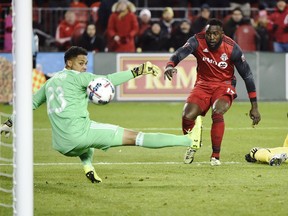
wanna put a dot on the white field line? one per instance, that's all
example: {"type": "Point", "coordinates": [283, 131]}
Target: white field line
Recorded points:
{"type": "Point", "coordinates": [124, 163]}
{"type": "Point", "coordinates": [179, 129]}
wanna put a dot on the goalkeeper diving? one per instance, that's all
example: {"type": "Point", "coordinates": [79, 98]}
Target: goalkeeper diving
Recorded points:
{"type": "Point", "coordinates": [73, 133]}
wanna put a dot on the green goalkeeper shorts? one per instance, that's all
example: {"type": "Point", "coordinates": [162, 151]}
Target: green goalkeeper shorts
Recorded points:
{"type": "Point", "coordinates": [99, 136]}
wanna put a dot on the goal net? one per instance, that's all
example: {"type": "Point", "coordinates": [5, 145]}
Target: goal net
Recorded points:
{"type": "Point", "coordinates": [22, 189]}
{"type": "Point", "coordinates": [6, 169]}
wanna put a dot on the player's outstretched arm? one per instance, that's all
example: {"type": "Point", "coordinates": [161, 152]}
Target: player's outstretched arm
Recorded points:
{"type": "Point", "coordinates": [6, 127]}
{"type": "Point", "coordinates": [146, 68]}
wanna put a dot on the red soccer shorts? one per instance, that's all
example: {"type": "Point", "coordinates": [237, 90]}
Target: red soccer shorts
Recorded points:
{"type": "Point", "coordinates": [205, 94]}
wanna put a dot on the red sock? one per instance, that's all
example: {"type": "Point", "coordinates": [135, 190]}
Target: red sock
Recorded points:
{"type": "Point", "coordinates": [187, 125]}
{"type": "Point", "coordinates": [217, 132]}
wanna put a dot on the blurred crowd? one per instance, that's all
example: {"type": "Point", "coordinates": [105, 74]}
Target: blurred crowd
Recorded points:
{"type": "Point", "coordinates": [134, 26]}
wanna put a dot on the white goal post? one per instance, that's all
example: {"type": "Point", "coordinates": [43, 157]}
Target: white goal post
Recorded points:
{"type": "Point", "coordinates": [22, 108]}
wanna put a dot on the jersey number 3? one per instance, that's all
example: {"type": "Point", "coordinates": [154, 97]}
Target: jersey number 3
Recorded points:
{"type": "Point", "coordinates": [56, 102]}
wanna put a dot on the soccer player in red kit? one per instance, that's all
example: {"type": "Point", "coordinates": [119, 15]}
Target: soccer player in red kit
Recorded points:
{"type": "Point", "coordinates": [216, 56]}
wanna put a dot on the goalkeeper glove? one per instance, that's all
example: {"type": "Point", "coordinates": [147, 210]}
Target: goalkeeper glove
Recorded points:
{"type": "Point", "coordinates": [146, 68]}
{"type": "Point", "coordinates": [169, 70]}
{"type": "Point", "coordinates": [248, 158]}
{"type": "Point", "coordinates": [6, 127]}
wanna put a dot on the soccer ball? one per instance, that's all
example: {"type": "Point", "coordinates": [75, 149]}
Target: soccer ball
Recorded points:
{"type": "Point", "coordinates": [100, 91]}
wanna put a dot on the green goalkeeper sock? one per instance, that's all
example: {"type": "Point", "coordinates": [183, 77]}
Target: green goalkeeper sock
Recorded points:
{"type": "Point", "coordinates": [161, 140]}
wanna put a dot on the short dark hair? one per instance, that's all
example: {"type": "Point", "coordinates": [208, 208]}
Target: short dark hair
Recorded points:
{"type": "Point", "coordinates": [237, 9]}
{"type": "Point", "coordinates": [73, 52]}
{"type": "Point", "coordinates": [214, 22]}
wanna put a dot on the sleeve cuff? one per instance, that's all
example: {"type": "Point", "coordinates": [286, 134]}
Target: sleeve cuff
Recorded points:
{"type": "Point", "coordinates": [170, 63]}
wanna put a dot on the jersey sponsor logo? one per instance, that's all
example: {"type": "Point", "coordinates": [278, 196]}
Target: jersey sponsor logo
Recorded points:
{"type": "Point", "coordinates": [221, 64]}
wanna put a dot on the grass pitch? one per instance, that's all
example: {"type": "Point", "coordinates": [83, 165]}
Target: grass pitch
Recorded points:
{"type": "Point", "coordinates": [139, 181]}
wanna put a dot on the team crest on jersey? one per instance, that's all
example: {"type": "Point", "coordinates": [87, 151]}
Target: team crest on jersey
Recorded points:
{"type": "Point", "coordinates": [224, 57]}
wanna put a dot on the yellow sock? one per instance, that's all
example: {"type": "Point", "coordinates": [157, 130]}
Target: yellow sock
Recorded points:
{"type": "Point", "coordinates": [286, 141]}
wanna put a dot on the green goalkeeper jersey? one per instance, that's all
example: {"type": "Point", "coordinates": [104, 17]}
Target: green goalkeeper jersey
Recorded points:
{"type": "Point", "coordinates": [67, 101]}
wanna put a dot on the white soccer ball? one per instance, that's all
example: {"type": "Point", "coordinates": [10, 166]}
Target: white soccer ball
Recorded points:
{"type": "Point", "coordinates": [100, 91]}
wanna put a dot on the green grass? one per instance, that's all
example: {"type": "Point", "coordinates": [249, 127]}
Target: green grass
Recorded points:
{"type": "Point", "coordinates": [152, 186]}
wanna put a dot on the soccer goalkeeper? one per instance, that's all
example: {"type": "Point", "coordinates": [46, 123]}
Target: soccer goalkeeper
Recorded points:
{"type": "Point", "coordinates": [272, 156]}
{"type": "Point", "coordinates": [73, 133]}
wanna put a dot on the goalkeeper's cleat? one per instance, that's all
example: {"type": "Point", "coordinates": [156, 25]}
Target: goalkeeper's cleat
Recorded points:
{"type": "Point", "coordinates": [189, 155]}
{"type": "Point", "coordinates": [196, 134]}
{"type": "Point", "coordinates": [215, 162]}
{"type": "Point", "coordinates": [278, 159]}
{"type": "Point", "coordinates": [91, 174]}
{"type": "Point", "coordinates": [249, 159]}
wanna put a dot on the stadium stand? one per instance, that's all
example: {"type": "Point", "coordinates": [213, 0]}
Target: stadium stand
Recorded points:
{"type": "Point", "coordinates": [48, 17]}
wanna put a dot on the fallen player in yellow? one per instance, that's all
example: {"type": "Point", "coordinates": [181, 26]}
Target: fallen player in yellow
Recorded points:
{"type": "Point", "coordinates": [272, 156]}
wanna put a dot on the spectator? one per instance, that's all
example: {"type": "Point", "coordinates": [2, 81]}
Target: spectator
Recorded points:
{"type": "Point", "coordinates": [168, 24]}
{"type": "Point", "coordinates": [80, 9]}
{"type": "Point", "coordinates": [261, 28]}
{"type": "Point", "coordinates": [8, 32]}
{"type": "Point", "coordinates": [144, 21]}
{"type": "Point", "coordinates": [104, 13]}
{"type": "Point", "coordinates": [279, 26]}
{"type": "Point", "coordinates": [91, 41]}
{"type": "Point", "coordinates": [65, 30]}
{"type": "Point", "coordinates": [231, 25]}
{"type": "Point", "coordinates": [244, 5]}
{"type": "Point", "coordinates": [154, 39]}
{"type": "Point", "coordinates": [94, 11]}
{"type": "Point", "coordinates": [180, 35]}
{"type": "Point", "coordinates": [246, 36]}
{"type": "Point", "coordinates": [122, 27]}
{"type": "Point", "coordinates": [200, 22]}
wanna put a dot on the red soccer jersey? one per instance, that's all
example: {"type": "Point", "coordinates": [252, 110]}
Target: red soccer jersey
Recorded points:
{"type": "Point", "coordinates": [214, 66]}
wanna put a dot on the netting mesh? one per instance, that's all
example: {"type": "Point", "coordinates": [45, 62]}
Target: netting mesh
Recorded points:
{"type": "Point", "coordinates": [7, 150]}
{"type": "Point", "coordinates": [6, 168]}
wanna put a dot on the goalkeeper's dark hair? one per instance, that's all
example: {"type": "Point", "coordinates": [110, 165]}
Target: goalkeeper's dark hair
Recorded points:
{"type": "Point", "coordinates": [215, 22]}
{"type": "Point", "coordinates": [73, 52]}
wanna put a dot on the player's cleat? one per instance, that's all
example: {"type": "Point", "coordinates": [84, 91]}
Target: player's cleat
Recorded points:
{"type": "Point", "coordinates": [215, 162]}
{"type": "Point", "coordinates": [249, 159]}
{"type": "Point", "coordinates": [189, 155]}
{"type": "Point", "coordinates": [91, 174]}
{"type": "Point", "coordinates": [278, 159]}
